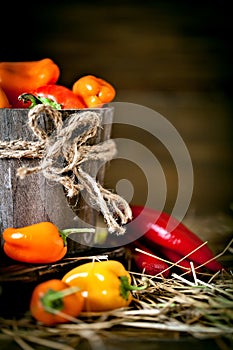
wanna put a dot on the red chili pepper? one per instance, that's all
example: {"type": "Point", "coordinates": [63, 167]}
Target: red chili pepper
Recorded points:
{"type": "Point", "coordinates": [150, 265]}
{"type": "Point", "coordinates": [174, 257]}
{"type": "Point", "coordinates": [57, 96]}
{"type": "Point", "coordinates": [176, 236]}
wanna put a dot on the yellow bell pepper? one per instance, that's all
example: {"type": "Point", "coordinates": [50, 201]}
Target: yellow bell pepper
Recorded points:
{"type": "Point", "coordinates": [105, 285]}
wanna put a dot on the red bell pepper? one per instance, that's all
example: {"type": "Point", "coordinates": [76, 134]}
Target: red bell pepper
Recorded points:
{"type": "Point", "coordinates": [177, 237]}
{"type": "Point", "coordinates": [57, 96]}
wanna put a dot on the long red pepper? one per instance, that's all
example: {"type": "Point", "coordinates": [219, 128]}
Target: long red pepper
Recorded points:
{"type": "Point", "coordinates": [154, 227]}
{"type": "Point", "coordinates": [149, 264]}
{"type": "Point", "coordinates": [174, 257]}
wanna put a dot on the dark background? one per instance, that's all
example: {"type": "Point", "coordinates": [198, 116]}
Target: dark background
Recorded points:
{"type": "Point", "coordinates": [172, 56]}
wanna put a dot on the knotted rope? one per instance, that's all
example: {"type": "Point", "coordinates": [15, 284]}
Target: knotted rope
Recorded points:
{"type": "Point", "coordinates": [65, 151]}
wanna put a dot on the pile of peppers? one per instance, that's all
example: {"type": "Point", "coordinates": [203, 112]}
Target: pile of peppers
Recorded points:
{"type": "Point", "coordinates": [104, 285]}
{"type": "Point", "coordinates": [26, 84]}
{"type": "Point", "coordinates": [90, 287]}
{"type": "Point", "coordinates": [94, 286]}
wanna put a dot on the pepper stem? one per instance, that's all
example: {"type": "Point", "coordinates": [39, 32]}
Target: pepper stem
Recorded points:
{"type": "Point", "coordinates": [125, 287]}
{"type": "Point", "coordinates": [36, 100]}
{"type": "Point", "coordinates": [54, 299]}
{"type": "Point", "coordinates": [66, 232]}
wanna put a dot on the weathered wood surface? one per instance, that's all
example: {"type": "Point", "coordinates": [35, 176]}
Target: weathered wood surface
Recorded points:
{"type": "Point", "coordinates": [21, 202]}
{"type": "Point", "coordinates": [34, 199]}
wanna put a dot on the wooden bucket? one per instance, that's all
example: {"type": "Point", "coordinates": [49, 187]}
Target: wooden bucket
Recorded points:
{"type": "Point", "coordinates": [34, 199]}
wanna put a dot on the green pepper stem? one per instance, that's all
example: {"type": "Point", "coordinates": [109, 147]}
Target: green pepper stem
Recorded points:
{"type": "Point", "coordinates": [126, 287]}
{"type": "Point", "coordinates": [54, 299]}
{"type": "Point", "coordinates": [61, 293]}
{"type": "Point", "coordinates": [66, 232]}
{"type": "Point", "coordinates": [36, 100]}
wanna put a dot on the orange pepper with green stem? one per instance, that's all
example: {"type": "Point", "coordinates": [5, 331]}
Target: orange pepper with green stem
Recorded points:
{"type": "Point", "coordinates": [19, 77]}
{"type": "Point", "coordinates": [42, 242]}
{"type": "Point", "coordinates": [54, 302]}
{"type": "Point", "coordinates": [94, 91]}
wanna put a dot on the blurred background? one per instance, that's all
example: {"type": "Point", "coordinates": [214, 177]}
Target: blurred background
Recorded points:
{"type": "Point", "coordinates": [174, 57]}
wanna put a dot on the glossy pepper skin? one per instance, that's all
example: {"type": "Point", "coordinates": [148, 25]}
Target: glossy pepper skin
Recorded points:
{"type": "Point", "coordinates": [37, 243]}
{"type": "Point", "coordinates": [41, 243]}
{"type": "Point", "coordinates": [105, 285]}
{"type": "Point", "coordinates": [180, 239]}
{"type": "Point", "coordinates": [94, 91]}
{"type": "Point", "coordinates": [4, 102]}
{"type": "Point", "coordinates": [53, 296]}
{"type": "Point", "coordinates": [57, 96]}
{"type": "Point", "coordinates": [19, 77]}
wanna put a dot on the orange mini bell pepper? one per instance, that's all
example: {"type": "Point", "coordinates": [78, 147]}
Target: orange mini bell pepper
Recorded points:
{"type": "Point", "coordinates": [53, 302]}
{"type": "Point", "coordinates": [4, 102]}
{"type": "Point", "coordinates": [19, 77]}
{"type": "Point", "coordinates": [94, 91]}
{"type": "Point", "coordinates": [38, 243]}
{"type": "Point", "coordinates": [105, 285]}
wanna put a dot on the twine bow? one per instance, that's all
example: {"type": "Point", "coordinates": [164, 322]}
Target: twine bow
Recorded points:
{"type": "Point", "coordinates": [65, 152]}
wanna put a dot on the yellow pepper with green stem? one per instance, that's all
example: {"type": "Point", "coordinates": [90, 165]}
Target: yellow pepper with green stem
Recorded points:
{"type": "Point", "coordinates": [105, 285]}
